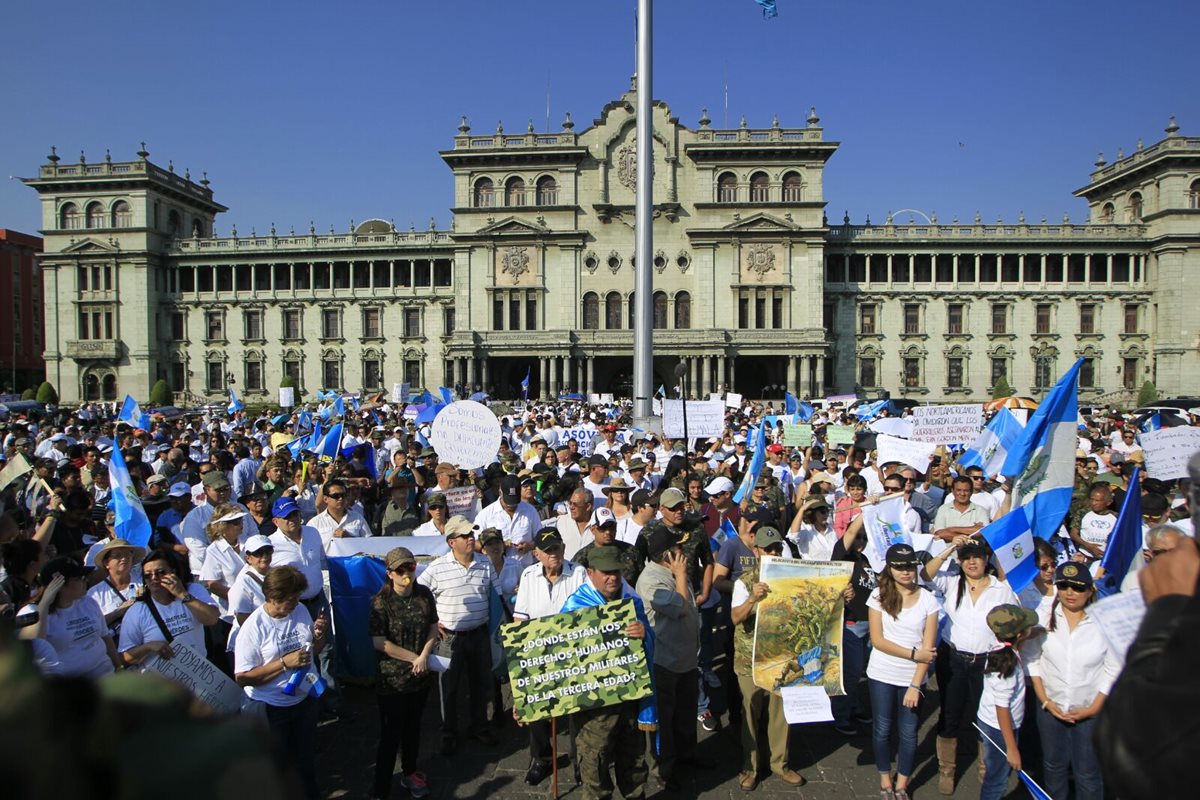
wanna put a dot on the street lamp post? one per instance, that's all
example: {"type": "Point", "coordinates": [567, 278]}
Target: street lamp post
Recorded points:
{"type": "Point", "coordinates": [681, 371]}
{"type": "Point", "coordinates": [643, 355]}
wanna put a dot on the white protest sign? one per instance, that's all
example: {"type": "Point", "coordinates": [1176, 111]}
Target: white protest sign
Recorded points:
{"type": "Point", "coordinates": [714, 395]}
{"type": "Point", "coordinates": [892, 448]}
{"type": "Point", "coordinates": [401, 392]}
{"type": "Point", "coordinates": [806, 704]}
{"type": "Point", "coordinates": [287, 396]}
{"type": "Point", "coordinates": [606, 397]}
{"type": "Point", "coordinates": [594, 398]}
{"type": "Point", "coordinates": [466, 434]}
{"type": "Point", "coordinates": [461, 500]}
{"type": "Point", "coordinates": [733, 400]}
{"type": "Point", "coordinates": [947, 424]}
{"type": "Point", "coordinates": [1119, 616]}
{"type": "Point", "coordinates": [200, 676]}
{"type": "Point", "coordinates": [705, 418]}
{"type": "Point", "coordinates": [582, 437]}
{"type": "Point", "coordinates": [1167, 451]}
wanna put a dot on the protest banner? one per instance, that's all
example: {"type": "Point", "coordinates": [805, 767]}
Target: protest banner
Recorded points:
{"type": "Point", "coordinates": [1167, 451]}
{"type": "Point", "coordinates": [582, 437]}
{"type": "Point", "coordinates": [401, 392]}
{"type": "Point", "coordinates": [883, 523]}
{"type": "Point", "coordinates": [714, 396]}
{"type": "Point", "coordinates": [606, 397]}
{"type": "Point", "coordinates": [566, 662]}
{"type": "Point", "coordinates": [705, 419]}
{"type": "Point", "coordinates": [947, 424]}
{"type": "Point", "coordinates": [798, 435]}
{"type": "Point", "coordinates": [841, 399]}
{"type": "Point", "coordinates": [806, 704]}
{"type": "Point", "coordinates": [16, 467]}
{"type": "Point", "coordinates": [798, 628]}
{"type": "Point", "coordinates": [287, 396]}
{"type": "Point", "coordinates": [913, 453]}
{"type": "Point", "coordinates": [594, 398]}
{"type": "Point", "coordinates": [278, 440]}
{"type": "Point", "coordinates": [733, 400]}
{"type": "Point", "coordinates": [461, 500]}
{"type": "Point", "coordinates": [839, 434]}
{"type": "Point", "coordinates": [197, 674]}
{"type": "Point", "coordinates": [466, 434]}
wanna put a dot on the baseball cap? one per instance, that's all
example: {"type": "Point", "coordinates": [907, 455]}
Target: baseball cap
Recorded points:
{"type": "Point", "coordinates": [458, 525]}
{"type": "Point", "coordinates": [445, 468]}
{"type": "Point", "coordinates": [398, 556]}
{"type": "Point", "coordinates": [636, 463]}
{"type": "Point", "coordinates": [774, 448]}
{"type": "Point", "coordinates": [232, 516]}
{"type": "Point", "coordinates": [258, 542]}
{"type": "Point", "coordinates": [1009, 621]}
{"type": "Point", "coordinates": [489, 535]}
{"type": "Point", "coordinates": [643, 497]}
{"type": "Point", "coordinates": [659, 539]}
{"type": "Point", "coordinates": [436, 500]}
{"type": "Point", "coordinates": [1074, 575]}
{"type": "Point", "coordinates": [510, 490]}
{"type": "Point", "coordinates": [605, 559]}
{"type": "Point", "coordinates": [155, 479]}
{"type": "Point", "coordinates": [179, 490]}
{"type": "Point", "coordinates": [547, 538]}
{"type": "Point", "coordinates": [975, 548]}
{"type": "Point", "coordinates": [901, 555]}
{"type": "Point", "coordinates": [671, 498]}
{"type": "Point", "coordinates": [821, 477]}
{"type": "Point", "coordinates": [597, 461]}
{"type": "Point", "coordinates": [216, 480]}
{"type": "Point", "coordinates": [739, 439]}
{"type": "Point", "coordinates": [763, 482]}
{"type": "Point", "coordinates": [605, 518]}
{"type": "Point", "coordinates": [284, 507]}
{"type": "Point", "coordinates": [766, 536]}
{"type": "Point", "coordinates": [718, 485]}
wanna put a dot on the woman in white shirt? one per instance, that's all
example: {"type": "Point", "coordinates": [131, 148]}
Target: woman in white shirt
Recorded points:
{"type": "Point", "coordinates": [967, 597]}
{"type": "Point", "coordinates": [223, 560]}
{"type": "Point", "coordinates": [903, 620]}
{"type": "Point", "coordinates": [117, 591]}
{"type": "Point", "coordinates": [1040, 592]}
{"type": "Point", "coordinates": [273, 658]}
{"type": "Point", "coordinates": [1072, 674]}
{"type": "Point", "coordinates": [173, 608]}
{"type": "Point", "coordinates": [811, 533]}
{"type": "Point", "coordinates": [246, 593]}
{"type": "Point", "coordinates": [74, 626]}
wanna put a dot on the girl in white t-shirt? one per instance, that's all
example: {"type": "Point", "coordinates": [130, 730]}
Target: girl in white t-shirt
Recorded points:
{"type": "Point", "coordinates": [1002, 703]}
{"type": "Point", "coordinates": [75, 626]}
{"type": "Point", "coordinates": [903, 620]}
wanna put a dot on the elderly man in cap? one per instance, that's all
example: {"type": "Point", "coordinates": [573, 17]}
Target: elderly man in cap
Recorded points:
{"type": "Point", "coordinates": [447, 476]}
{"type": "Point", "coordinates": [758, 705]}
{"type": "Point", "coordinates": [675, 619]}
{"type": "Point", "coordinates": [258, 519]}
{"type": "Point", "coordinates": [604, 534]}
{"type": "Point", "coordinates": [544, 588]}
{"type": "Point", "coordinates": [194, 527]}
{"type": "Point", "coordinates": [637, 476]}
{"type": "Point", "coordinates": [396, 517]}
{"type": "Point", "coordinates": [516, 520]}
{"type": "Point", "coordinates": [611, 735]}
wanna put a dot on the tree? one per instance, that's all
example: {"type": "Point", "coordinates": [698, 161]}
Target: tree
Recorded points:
{"type": "Point", "coordinates": [161, 394]}
{"type": "Point", "coordinates": [286, 382]}
{"type": "Point", "coordinates": [1147, 394]}
{"type": "Point", "coordinates": [29, 394]}
{"type": "Point", "coordinates": [46, 394]}
{"type": "Point", "coordinates": [1001, 389]}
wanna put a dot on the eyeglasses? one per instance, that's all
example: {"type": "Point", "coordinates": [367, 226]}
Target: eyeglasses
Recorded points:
{"type": "Point", "coordinates": [335, 496]}
{"type": "Point", "coordinates": [774, 550]}
{"type": "Point", "coordinates": [910, 480]}
{"type": "Point", "coordinates": [893, 488]}
{"type": "Point", "coordinates": [158, 573]}
{"type": "Point", "coordinates": [1047, 567]}
{"type": "Point", "coordinates": [402, 569]}
{"type": "Point", "coordinates": [975, 477]}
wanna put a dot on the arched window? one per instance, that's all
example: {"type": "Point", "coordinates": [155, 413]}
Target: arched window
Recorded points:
{"type": "Point", "coordinates": [547, 191]}
{"type": "Point", "coordinates": [91, 387]}
{"type": "Point", "coordinates": [1194, 194]}
{"type": "Point", "coordinates": [109, 390]}
{"type": "Point", "coordinates": [1108, 214]}
{"type": "Point", "coordinates": [485, 193]}
{"type": "Point", "coordinates": [122, 214]}
{"type": "Point", "coordinates": [514, 192]}
{"type": "Point", "coordinates": [95, 216]}
{"type": "Point", "coordinates": [197, 228]}
{"type": "Point", "coordinates": [1135, 207]}
{"type": "Point", "coordinates": [793, 190]}
{"type": "Point", "coordinates": [591, 312]}
{"type": "Point", "coordinates": [683, 310]}
{"type": "Point", "coordinates": [612, 311]}
{"type": "Point", "coordinates": [173, 222]}
{"type": "Point", "coordinates": [727, 188]}
{"type": "Point", "coordinates": [759, 188]}
{"type": "Point", "coordinates": [660, 309]}
{"type": "Point", "coordinates": [69, 218]}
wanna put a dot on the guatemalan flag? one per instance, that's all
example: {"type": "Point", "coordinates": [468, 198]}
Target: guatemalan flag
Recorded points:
{"type": "Point", "coordinates": [330, 445]}
{"type": "Point", "coordinates": [990, 450]}
{"type": "Point", "coordinates": [525, 385]}
{"type": "Point", "coordinates": [1041, 466]}
{"type": "Point", "coordinates": [756, 463]}
{"type": "Point", "coordinates": [884, 524]}
{"type": "Point", "coordinates": [235, 405]}
{"type": "Point", "coordinates": [132, 413]}
{"type": "Point", "coordinates": [1123, 553]}
{"type": "Point", "coordinates": [790, 406]}
{"type": "Point", "coordinates": [131, 522]}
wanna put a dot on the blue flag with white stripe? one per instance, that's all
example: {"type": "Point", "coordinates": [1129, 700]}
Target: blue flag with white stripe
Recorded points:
{"type": "Point", "coordinates": [790, 405]}
{"type": "Point", "coordinates": [1123, 553]}
{"type": "Point", "coordinates": [990, 449]}
{"type": "Point", "coordinates": [1152, 423]}
{"type": "Point", "coordinates": [768, 7]}
{"type": "Point", "coordinates": [805, 412]}
{"type": "Point", "coordinates": [871, 410]}
{"type": "Point", "coordinates": [132, 413]}
{"type": "Point", "coordinates": [447, 395]}
{"type": "Point", "coordinates": [756, 463]}
{"type": "Point", "coordinates": [131, 522]}
{"type": "Point", "coordinates": [235, 405]}
{"type": "Point", "coordinates": [525, 385]}
{"type": "Point", "coordinates": [330, 445]}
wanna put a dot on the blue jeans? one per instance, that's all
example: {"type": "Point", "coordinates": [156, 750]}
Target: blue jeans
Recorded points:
{"type": "Point", "coordinates": [855, 641]}
{"type": "Point", "coordinates": [995, 784]}
{"type": "Point", "coordinates": [1069, 746]}
{"type": "Point", "coordinates": [708, 618]}
{"type": "Point", "coordinates": [887, 704]}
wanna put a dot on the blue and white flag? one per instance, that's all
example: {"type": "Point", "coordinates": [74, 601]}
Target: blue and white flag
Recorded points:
{"type": "Point", "coordinates": [768, 7]}
{"type": "Point", "coordinates": [304, 422]}
{"type": "Point", "coordinates": [131, 523]}
{"type": "Point", "coordinates": [1037, 792]}
{"type": "Point", "coordinates": [1042, 462]}
{"type": "Point", "coordinates": [990, 450]}
{"type": "Point", "coordinates": [725, 531]}
{"type": "Point", "coordinates": [871, 410]}
{"type": "Point", "coordinates": [1153, 422]}
{"type": "Point", "coordinates": [132, 413]}
{"type": "Point", "coordinates": [447, 395]}
{"type": "Point", "coordinates": [1011, 538]}
{"type": "Point", "coordinates": [1123, 553]}
{"type": "Point", "coordinates": [235, 405]}
{"type": "Point", "coordinates": [330, 445]}
{"type": "Point", "coordinates": [525, 385]}
{"type": "Point", "coordinates": [756, 463]}
{"type": "Point", "coordinates": [662, 391]}
{"type": "Point", "coordinates": [884, 525]}
{"type": "Point", "coordinates": [790, 405]}
{"type": "Point", "coordinates": [804, 412]}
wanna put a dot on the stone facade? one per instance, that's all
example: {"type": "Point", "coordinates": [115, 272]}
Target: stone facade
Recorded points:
{"type": "Point", "coordinates": [753, 287]}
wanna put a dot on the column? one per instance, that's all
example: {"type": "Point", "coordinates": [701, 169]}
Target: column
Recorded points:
{"type": "Point", "coordinates": [706, 376]}
{"type": "Point", "coordinates": [566, 373]}
{"type": "Point", "coordinates": [460, 371]}
{"type": "Point", "coordinates": [1108, 270]}
{"type": "Point", "coordinates": [693, 376]}
{"type": "Point", "coordinates": [791, 373]}
{"type": "Point", "coordinates": [591, 374]}
{"type": "Point", "coordinates": [554, 385]}
{"type": "Point", "coordinates": [470, 376]}
{"type": "Point", "coordinates": [483, 363]}
{"type": "Point", "coordinates": [805, 387]}
{"type": "Point", "coordinates": [721, 373]}
{"type": "Point", "coordinates": [543, 375]}
{"type": "Point", "coordinates": [733, 374]}
{"type": "Point", "coordinates": [819, 378]}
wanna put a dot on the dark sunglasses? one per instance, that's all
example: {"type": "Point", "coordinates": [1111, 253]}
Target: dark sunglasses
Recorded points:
{"type": "Point", "coordinates": [335, 496]}
{"type": "Point", "coordinates": [403, 568]}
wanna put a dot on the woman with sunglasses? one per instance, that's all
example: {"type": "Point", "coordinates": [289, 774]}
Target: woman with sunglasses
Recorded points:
{"type": "Point", "coordinates": [967, 597]}
{"type": "Point", "coordinates": [403, 627]}
{"type": "Point", "coordinates": [902, 617]}
{"type": "Point", "coordinates": [1072, 674]}
{"type": "Point", "coordinates": [174, 608]}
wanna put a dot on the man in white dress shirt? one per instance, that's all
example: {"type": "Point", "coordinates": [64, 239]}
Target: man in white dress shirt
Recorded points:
{"type": "Point", "coordinates": [339, 519]}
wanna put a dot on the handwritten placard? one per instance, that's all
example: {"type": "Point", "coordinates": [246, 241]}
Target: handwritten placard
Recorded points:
{"type": "Point", "coordinates": [947, 424]}
{"type": "Point", "coordinates": [581, 436]}
{"type": "Point", "coordinates": [466, 434]}
{"type": "Point", "coordinates": [915, 454]}
{"type": "Point", "coordinates": [839, 434]}
{"type": "Point", "coordinates": [287, 396]}
{"type": "Point", "coordinates": [1167, 451]}
{"type": "Point", "coordinates": [798, 435]}
{"type": "Point", "coordinates": [705, 418]}
{"type": "Point", "coordinates": [806, 704]}
{"type": "Point", "coordinates": [196, 673]}
{"type": "Point", "coordinates": [461, 500]}
{"type": "Point", "coordinates": [733, 400]}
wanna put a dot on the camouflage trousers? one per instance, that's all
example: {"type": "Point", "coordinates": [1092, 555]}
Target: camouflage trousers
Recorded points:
{"type": "Point", "coordinates": [611, 735]}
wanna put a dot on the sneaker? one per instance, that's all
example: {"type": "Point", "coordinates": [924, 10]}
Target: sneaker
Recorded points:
{"type": "Point", "coordinates": [846, 729]}
{"type": "Point", "coordinates": [711, 680]}
{"type": "Point", "coordinates": [708, 722]}
{"type": "Point", "coordinates": [416, 784]}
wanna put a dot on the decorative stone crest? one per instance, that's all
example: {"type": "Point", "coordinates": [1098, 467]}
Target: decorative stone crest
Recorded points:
{"type": "Point", "coordinates": [684, 260]}
{"type": "Point", "coordinates": [590, 262]}
{"type": "Point", "coordinates": [760, 259]}
{"type": "Point", "coordinates": [626, 164]}
{"type": "Point", "coordinates": [660, 261]}
{"type": "Point", "coordinates": [516, 262]}
{"type": "Point", "coordinates": [614, 261]}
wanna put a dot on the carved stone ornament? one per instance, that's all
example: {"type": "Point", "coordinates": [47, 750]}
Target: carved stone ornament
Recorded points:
{"type": "Point", "coordinates": [516, 262]}
{"type": "Point", "coordinates": [660, 261]}
{"type": "Point", "coordinates": [614, 261]}
{"type": "Point", "coordinates": [626, 164]}
{"type": "Point", "coordinates": [684, 260]}
{"type": "Point", "coordinates": [590, 262]}
{"type": "Point", "coordinates": [760, 258]}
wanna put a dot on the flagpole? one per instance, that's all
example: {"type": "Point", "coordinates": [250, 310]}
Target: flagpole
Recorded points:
{"type": "Point", "coordinates": [643, 346]}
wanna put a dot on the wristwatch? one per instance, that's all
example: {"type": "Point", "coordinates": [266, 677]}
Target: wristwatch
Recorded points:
{"type": "Point", "coordinates": [187, 598]}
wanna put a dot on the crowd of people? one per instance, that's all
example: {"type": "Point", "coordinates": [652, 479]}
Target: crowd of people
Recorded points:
{"type": "Point", "coordinates": [241, 526]}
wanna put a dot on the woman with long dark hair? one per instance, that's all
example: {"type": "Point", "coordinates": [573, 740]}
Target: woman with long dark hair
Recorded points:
{"type": "Point", "coordinates": [174, 608]}
{"type": "Point", "coordinates": [1072, 674]}
{"type": "Point", "coordinates": [967, 597]}
{"type": "Point", "coordinates": [902, 616]}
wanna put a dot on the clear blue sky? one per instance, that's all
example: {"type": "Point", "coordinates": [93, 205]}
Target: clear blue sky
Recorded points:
{"type": "Point", "coordinates": [335, 111]}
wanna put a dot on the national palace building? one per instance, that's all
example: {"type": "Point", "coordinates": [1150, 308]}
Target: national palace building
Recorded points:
{"type": "Point", "coordinates": [754, 287]}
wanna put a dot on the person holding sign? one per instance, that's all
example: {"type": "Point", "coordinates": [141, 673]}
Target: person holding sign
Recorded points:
{"type": "Point", "coordinates": [273, 660]}
{"type": "Point", "coordinates": [172, 607]}
{"type": "Point", "coordinates": [74, 624]}
{"type": "Point", "coordinates": [902, 616]}
{"type": "Point", "coordinates": [403, 628]}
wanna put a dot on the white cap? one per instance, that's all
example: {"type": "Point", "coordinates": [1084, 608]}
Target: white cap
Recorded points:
{"type": "Point", "coordinates": [604, 516]}
{"type": "Point", "coordinates": [739, 439]}
{"type": "Point", "coordinates": [179, 490]}
{"type": "Point", "coordinates": [232, 516]}
{"type": "Point", "coordinates": [257, 542]}
{"type": "Point", "coordinates": [718, 485]}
